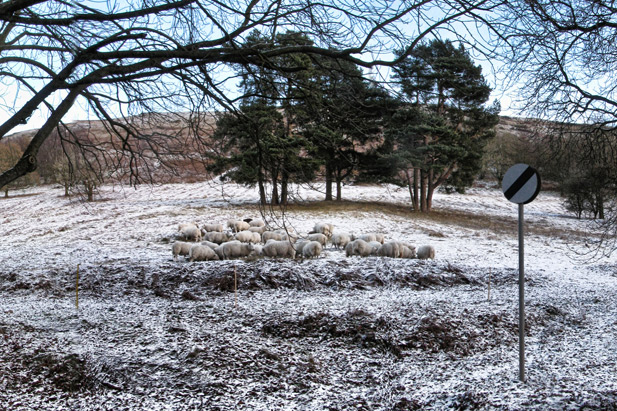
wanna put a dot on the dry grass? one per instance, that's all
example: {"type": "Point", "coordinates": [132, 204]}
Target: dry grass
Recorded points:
{"type": "Point", "coordinates": [468, 220]}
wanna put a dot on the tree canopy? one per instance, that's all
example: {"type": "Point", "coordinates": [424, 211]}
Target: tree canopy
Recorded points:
{"type": "Point", "coordinates": [439, 132]}
{"type": "Point", "coordinates": [123, 59]}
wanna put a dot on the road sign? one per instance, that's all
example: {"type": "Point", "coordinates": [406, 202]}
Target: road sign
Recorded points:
{"type": "Point", "coordinates": [521, 185]}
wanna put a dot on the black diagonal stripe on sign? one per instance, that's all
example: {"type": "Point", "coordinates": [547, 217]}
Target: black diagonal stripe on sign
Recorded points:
{"type": "Point", "coordinates": [519, 183]}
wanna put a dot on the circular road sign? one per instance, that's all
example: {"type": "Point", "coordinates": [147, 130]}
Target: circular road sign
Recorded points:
{"type": "Point", "coordinates": [521, 184]}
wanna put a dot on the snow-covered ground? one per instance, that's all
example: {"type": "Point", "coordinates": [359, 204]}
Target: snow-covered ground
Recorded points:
{"type": "Point", "coordinates": [333, 333]}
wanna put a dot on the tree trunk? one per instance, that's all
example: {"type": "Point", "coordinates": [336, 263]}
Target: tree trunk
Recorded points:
{"type": "Point", "coordinates": [430, 189]}
{"type": "Point", "coordinates": [328, 181]}
{"type": "Point", "coordinates": [412, 184]}
{"type": "Point", "coordinates": [275, 188]}
{"type": "Point", "coordinates": [89, 186]}
{"type": "Point", "coordinates": [339, 188]}
{"type": "Point", "coordinates": [6, 192]}
{"type": "Point", "coordinates": [423, 179]}
{"type": "Point", "coordinates": [262, 192]}
{"type": "Point", "coordinates": [416, 188]}
{"type": "Point", "coordinates": [275, 194]}
{"type": "Point", "coordinates": [284, 187]}
{"type": "Point", "coordinates": [600, 203]}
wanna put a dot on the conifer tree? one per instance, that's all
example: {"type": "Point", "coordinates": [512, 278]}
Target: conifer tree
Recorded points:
{"type": "Point", "coordinates": [438, 134]}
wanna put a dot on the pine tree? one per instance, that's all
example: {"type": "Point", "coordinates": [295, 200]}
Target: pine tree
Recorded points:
{"type": "Point", "coordinates": [438, 134]}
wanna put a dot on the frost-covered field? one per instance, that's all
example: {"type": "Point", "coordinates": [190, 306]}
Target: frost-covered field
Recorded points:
{"type": "Point", "coordinates": [333, 333]}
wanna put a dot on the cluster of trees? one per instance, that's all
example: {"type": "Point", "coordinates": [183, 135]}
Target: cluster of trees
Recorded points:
{"type": "Point", "coordinates": [429, 130]}
{"type": "Point", "coordinates": [123, 59]}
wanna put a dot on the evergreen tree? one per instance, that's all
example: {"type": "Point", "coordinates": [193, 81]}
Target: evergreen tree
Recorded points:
{"type": "Point", "coordinates": [438, 134]}
{"type": "Point", "coordinates": [342, 118]}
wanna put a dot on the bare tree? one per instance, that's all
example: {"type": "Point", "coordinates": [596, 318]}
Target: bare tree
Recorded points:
{"type": "Point", "coordinates": [562, 56]}
{"type": "Point", "coordinates": [121, 60]}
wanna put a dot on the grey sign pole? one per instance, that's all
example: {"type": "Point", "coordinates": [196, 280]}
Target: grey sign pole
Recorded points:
{"type": "Point", "coordinates": [521, 185]}
{"type": "Point", "coordinates": [521, 293]}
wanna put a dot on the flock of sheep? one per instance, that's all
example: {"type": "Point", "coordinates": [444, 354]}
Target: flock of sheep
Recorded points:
{"type": "Point", "coordinates": [253, 238]}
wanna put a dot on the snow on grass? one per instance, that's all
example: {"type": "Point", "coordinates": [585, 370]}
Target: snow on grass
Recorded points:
{"type": "Point", "coordinates": [330, 333]}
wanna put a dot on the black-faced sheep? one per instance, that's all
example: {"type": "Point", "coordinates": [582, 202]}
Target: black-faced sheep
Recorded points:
{"type": "Point", "coordinates": [279, 249]}
{"type": "Point", "coordinates": [200, 252]}
{"type": "Point", "coordinates": [233, 249]}
{"type": "Point", "coordinates": [180, 248]}
{"type": "Point", "coordinates": [312, 249]}
{"type": "Point", "coordinates": [425, 251]}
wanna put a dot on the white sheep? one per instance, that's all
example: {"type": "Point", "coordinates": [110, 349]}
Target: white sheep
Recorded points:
{"type": "Point", "coordinates": [358, 247]}
{"type": "Point", "coordinates": [299, 246]}
{"type": "Point", "coordinates": [340, 240]}
{"type": "Point", "coordinates": [209, 228]}
{"type": "Point", "coordinates": [287, 234]}
{"type": "Point", "coordinates": [248, 237]}
{"type": "Point", "coordinates": [271, 235]}
{"type": "Point", "coordinates": [323, 228]}
{"type": "Point", "coordinates": [191, 233]}
{"type": "Point", "coordinates": [257, 250]}
{"type": "Point", "coordinates": [375, 245]}
{"type": "Point", "coordinates": [180, 248]}
{"type": "Point", "coordinates": [216, 237]}
{"type": "Point", "coordinates": [367, 237]}
{"type": "Point", "coordinates": [182, 226]}
{"type": "Point", "coordinates": [200, 252]}
{"type": "Point", "coordinates": [257, 223]}
{"type": "Point", "coordinates": [279, 249]}
{"type": "Point", "coordinates": [259, 230]}
{"type": "Point", "coordinates": [210, 244]}
{"type": "Point", "coordinates": [311, 249]}
{"type": "Point", "coordinates": [238, 225]}
{"type": "Point", "coordinates": [233, 249]}
{"type": "Point", "coordinates": [407, 251]}
{"type": "Point", "coordinates": [390, 249]}
{"type": "Point", "coordinates": [425, 251]}
{"type": "Point", "coordinates": [349, 249]}
{"type": "Point", "coordinates": [319, 237]}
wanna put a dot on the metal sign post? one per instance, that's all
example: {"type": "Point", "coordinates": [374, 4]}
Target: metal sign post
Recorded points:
{"type": "Point", "coordinates": [521, 185]}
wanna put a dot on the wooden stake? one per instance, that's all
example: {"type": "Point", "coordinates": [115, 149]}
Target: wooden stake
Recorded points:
{"type": "Point", "coordinates": [77, 289]}
{"type": "Point", "coordinates": [489, 284]}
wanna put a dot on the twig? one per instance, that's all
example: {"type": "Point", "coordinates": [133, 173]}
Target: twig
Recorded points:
{"type": "Point", "coordinates": [235, 287]}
